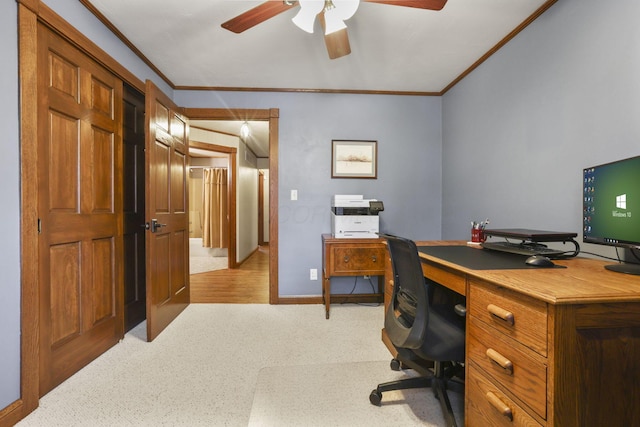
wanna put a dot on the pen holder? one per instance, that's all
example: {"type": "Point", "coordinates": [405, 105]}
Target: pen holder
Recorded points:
{"type": "Point", "coordinates": [477, 235]}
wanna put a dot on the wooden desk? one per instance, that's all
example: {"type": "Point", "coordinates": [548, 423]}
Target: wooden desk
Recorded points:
{"type": "Point", "coordinates": [352, 257]}
{"type": "Point", "coordinates": [551, 347]}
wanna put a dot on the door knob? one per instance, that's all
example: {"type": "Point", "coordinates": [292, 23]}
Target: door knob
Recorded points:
{"type": "Point", "coordinates": [154, 225]}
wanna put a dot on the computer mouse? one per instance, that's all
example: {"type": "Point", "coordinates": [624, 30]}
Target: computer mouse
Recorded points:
{"type": "Point", "coordinates": [539, 261]}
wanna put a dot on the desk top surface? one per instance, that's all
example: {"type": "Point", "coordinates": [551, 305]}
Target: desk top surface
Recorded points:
{"type": "Point", "coordinates": [582, 281]}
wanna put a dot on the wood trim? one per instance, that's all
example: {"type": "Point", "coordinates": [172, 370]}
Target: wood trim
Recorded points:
{"type": "Point", "coordinates": [307, 90]}
{"type": "Point", "coordinates": [13, 413]}
{"type": "Point", "coordinates": [500, 44]}
{"type": "Point", "coordinates": [274, 120]}
{"type": "Point", "coordinates": [260, 208]}
{"type": "Point", "coordinates": [125, 40]}
{"type": "Point", "coordinates": [232, 178]}
{"type": "Point", "coordinates": [29, 352]}
{"type": "Point", "coordinates": [300, 300]}
{"type": "Point", "coordinates": [212, 147]}
{"type": "Point", "coordinates": [240, 114]}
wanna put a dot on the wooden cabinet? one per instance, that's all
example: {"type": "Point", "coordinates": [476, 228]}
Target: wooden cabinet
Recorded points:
{"type": "Point", "coordinates": [352, 257]}
{"type": "Point", "coordinates": [547, 347]}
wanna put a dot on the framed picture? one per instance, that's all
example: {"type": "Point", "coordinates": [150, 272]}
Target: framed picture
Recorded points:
{"type": "Point", "coordinates": [354, 159]}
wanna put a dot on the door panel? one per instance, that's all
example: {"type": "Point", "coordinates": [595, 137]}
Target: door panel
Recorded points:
{"type": "Point", "coordinates": [79, 209]}
{"type": "Point", "coordinates": [166, 204]}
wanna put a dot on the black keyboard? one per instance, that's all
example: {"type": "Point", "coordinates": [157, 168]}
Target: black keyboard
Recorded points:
{"type": "Point", "coordinates": [528, 249]}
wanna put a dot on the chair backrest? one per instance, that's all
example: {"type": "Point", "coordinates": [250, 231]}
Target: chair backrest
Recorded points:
{"type": "Point", "coordinates": [407, 318]}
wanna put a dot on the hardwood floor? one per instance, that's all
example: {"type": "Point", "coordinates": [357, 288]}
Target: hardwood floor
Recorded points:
{"type": "Point", "coordinates": [248, 284]}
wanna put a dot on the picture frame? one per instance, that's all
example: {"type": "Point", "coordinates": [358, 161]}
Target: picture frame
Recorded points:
{"type": "Point", "coordinates": [354, 159]}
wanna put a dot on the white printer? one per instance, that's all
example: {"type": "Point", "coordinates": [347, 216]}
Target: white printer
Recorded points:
{"type": "Point", "coordinates": [354, 217]}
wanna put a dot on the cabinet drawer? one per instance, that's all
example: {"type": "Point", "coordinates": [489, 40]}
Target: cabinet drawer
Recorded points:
{"type": "Point", "coordinates": [358, 260]}
{"type": "Point", "coordinates": [518, 316]}
{"type": "Point", "coordinates": [486, 405]}
{"type": "Point", "coordinates": [509, 364]}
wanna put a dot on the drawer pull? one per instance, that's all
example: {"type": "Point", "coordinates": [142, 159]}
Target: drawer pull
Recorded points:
{"type": "Point", "coordinates": [346, 259]}
{"type": "Point", "coordinates": [374, 258]}
{"type": "Point", "coordinates": [501, 313]}
{"type": "Point", "coordinates": [500, 360]}
{"type": "Point", "coordinates": [500, 406]}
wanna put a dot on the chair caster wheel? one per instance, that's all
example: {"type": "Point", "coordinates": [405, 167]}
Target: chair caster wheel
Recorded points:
{"type": "Point", "coordinates": [395, 365]}
{"type": "Point", "coordinates": [375, 397]}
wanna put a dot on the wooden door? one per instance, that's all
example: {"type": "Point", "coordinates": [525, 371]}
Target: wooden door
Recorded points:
{"type": "Point", "coordinates": [133, 200]}
{"type": "Point", "coordinates": [79, 209]}
{"type": "Point", "coordinates": [167, 237]}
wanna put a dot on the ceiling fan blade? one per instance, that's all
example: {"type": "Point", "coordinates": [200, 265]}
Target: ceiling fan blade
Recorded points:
{"type": "Point", "coordinates": [255, 16]}
{"type": "Point", "coordinates": [418, 4]}
{"type": "Point", "coordinates": [337, 42]}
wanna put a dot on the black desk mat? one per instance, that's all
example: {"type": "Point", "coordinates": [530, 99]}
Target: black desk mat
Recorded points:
{"type": "Point", "coordinates": [479, 259]}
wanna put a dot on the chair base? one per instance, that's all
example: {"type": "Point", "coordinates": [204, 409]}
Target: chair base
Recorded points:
{"type": "Point", "coordinates": [440, 380]}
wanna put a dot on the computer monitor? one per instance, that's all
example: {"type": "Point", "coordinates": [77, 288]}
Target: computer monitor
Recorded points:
{"type": "Point", "coordinates": [611, 207]}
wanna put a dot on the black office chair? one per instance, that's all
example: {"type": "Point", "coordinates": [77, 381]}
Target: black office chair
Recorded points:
{"type": "Point", "coordinates": [429, 336]}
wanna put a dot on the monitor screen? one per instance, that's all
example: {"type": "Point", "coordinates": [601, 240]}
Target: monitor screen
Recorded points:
{"type": "Point", "coordinates": [611, 203]}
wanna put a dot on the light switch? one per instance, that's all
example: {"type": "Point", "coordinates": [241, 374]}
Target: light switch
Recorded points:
{"type": "Point", "coordinates": [294, 194]}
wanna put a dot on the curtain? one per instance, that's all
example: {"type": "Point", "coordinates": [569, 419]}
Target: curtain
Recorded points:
{"type": "Point", "coordinates": [214, 209]}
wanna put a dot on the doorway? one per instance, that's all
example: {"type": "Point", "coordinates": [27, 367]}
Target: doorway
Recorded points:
{"type": "Point", "coordinates": [251, 162]}
{"type": "Point", "coordinates": [210, 193]}
{"type": "Point", "coordinates": [272, 116]}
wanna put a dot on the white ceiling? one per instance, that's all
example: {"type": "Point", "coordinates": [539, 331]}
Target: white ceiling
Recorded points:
{"type": "Point", "coordinates": [395, 49]}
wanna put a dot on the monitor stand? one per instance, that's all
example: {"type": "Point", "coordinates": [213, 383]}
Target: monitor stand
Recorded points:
{"type": "Point", "coordinates": [626, 268]}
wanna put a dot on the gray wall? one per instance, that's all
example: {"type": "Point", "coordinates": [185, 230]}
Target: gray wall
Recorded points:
{"type": "Point", "coordinates": [561, 96]}
{"type": "Point", "coordinates": [10, 214]}
{"type": "Point", "coordinates": [408, 131]}
{"type": "Point", "coordinates": [517, 132]}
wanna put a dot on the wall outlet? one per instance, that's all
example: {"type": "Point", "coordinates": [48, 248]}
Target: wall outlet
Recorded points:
{"type": "Point", "coordinates": [313, 274]}
{"type": "Point", "coordinates": [294, 194]}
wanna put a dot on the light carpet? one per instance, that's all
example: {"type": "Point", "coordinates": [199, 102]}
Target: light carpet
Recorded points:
{"type": "Point", "coordinates": [217, 364]}
{"type": "Point", "coordinates": [338, 395]}
{"type": "Point", "coordinates": [202, 264]}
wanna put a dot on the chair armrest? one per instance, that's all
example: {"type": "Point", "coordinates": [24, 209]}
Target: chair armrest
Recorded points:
{"type": "Point", "coordinates": [460, 310]}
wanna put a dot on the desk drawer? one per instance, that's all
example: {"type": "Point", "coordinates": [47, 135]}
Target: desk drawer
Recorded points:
{"type": "Point", "coordinates": [518, 316]}
{"type": "Point", "coordinates": [485, 405]}
{"type": "Point", "coordinates": [358, 260]}
{"type": "Point", "coordinates": [509, 364]}
{"type": "Point", "coordinates": [453, 280]}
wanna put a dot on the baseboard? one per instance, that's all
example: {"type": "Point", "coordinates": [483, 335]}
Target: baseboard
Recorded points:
{"type": "Point", "coordinates": [301, 300]}
{"type": "Point", "coordinates": [13, 413]}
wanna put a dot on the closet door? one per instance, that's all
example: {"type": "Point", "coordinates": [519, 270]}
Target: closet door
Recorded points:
{"type": "Point", "coordinates": [166, 203]}
{"type": "Point", "coordinates": [79, 209]}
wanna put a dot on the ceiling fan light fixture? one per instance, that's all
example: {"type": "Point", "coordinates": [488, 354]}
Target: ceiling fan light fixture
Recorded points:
{"type": "Point", "coordinates": [306, 16]}
{"type": "Point", "coordinates": [333, 21]}
{"type": "Point", "coordinates": [346, 8]}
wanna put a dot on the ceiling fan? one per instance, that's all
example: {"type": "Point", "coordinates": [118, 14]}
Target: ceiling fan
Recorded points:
{"type": "Point", "coordinates": [331, 13]}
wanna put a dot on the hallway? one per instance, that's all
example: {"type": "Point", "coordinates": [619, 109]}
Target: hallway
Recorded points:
{"type": "Point", "coordinates": [248, 284]}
